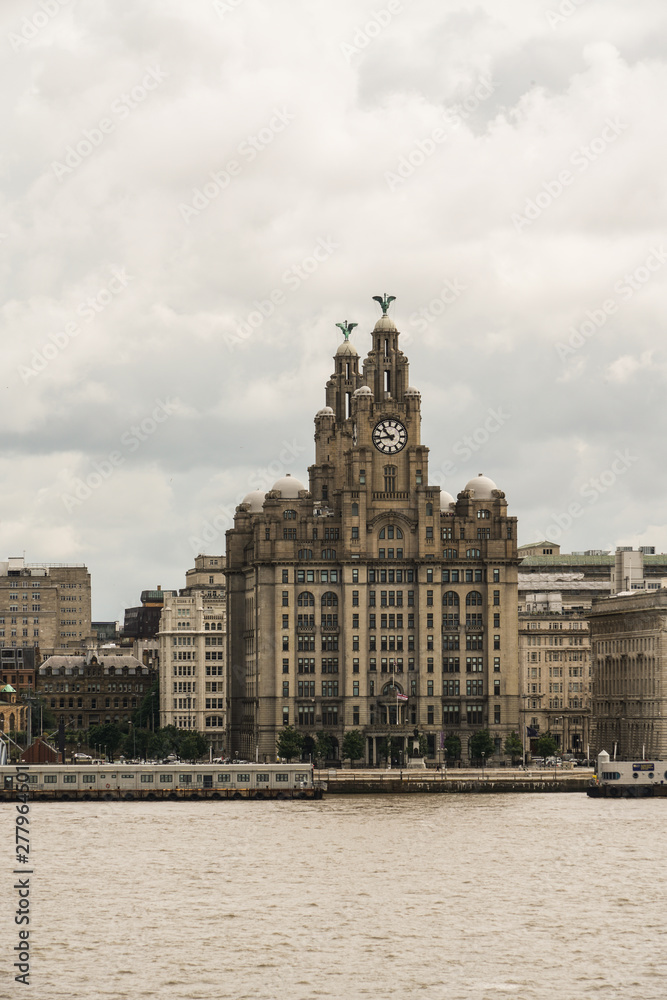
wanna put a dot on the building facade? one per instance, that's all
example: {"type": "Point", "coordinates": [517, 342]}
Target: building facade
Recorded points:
{"type": "Point", "coordinates": [93, 689]}
{"type": "Point", "coordinates": [371, 600]}
{"type": "Point", "coordinates": [44, 605]}
{"type": "Point", "coordinates": [629, 650]}
{"type": "Point", "coordinates": [193, 652]}
{"type": "Point", "coordinates": [554, 649]}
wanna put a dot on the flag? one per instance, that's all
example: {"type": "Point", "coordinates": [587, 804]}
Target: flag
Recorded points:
{"type": "Point", "coordinates": [532, 732]}
{"type": "Point", "coordinates": [402, 697]}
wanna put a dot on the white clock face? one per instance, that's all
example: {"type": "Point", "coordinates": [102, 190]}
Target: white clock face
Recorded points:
{"type": "Point", "coordinates": [389, 436]}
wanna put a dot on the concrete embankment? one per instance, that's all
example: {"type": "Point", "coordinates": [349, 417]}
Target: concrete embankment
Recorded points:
{"type": "Point", "coordinates": [397, 783]}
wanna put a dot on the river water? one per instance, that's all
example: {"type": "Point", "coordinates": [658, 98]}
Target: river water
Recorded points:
{"type": "Point", "coordinates": [537, 897]}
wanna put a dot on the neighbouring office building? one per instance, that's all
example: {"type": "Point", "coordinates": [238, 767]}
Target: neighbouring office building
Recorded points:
{"type": "Point", "coordinates": [192, 653]}
{"type": "Point", "coordinates": [370, 599]}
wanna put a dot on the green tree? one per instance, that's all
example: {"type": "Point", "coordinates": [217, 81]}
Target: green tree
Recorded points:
{"type": "Point", "coordinates": [146, 714]}
{"type": "Point", "coordinates": [546, 745]}
{"type": "Point", "coordinates": [423, 746]}
{"type": "Point", "coordinates": [354, 745]}
{"type": "Point", "coordinates": [289, 743]}
{"type": "Point", "coordinates": [109, 735]}
{"type": "Point", "coordinates": [481, 745]}
{"type": "Point", "coordinates": [193, 746]}
{"type": "Point", "coordinates": [453, 748]}
{"type": "Point", "coordinates": [323, 745]}
{"type": "Point", "coordinates": [513, 746]}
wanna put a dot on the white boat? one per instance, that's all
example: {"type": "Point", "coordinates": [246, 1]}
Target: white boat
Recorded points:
{"type": "Point", "coordinates": [630, 779]}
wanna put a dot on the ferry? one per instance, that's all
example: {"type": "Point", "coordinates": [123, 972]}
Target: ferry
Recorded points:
{"type": "Point", "coordinates": [76, 782]}
{"type": "Point", "coordinates": [629, 779]}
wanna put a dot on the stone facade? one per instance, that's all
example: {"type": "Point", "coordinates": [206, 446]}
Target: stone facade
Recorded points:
{"type": "Point", "coordinates": [629, 649]}
{"type": "Point", "coordinates": [372, 600]}
{"type": "Point", "coordinates": [193, 638]}
{"type": "Point", "coordinates": [556, 667]}
{"type": "Point", "coordinates": [93, 689]}
{"type": "Point", "coordinates": [44, 605]}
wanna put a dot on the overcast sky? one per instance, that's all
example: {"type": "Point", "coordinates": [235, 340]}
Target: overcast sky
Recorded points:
{"type": "Point", "coordinates": [194, 194]}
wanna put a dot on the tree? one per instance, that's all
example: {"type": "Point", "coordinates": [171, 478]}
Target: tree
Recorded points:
{"type": "Point", "coordinates": [148, 709]}
{"type": "Point", "coordinates": [546, 745]}
{"type": "Point", "coordinates": [193, 746]}
{"type": "Point", "coordinates": [481, 745]}
{"type": "Point", "coordinates": [453, 748]}
{"type": "Point", "coordinates": [354, 745]}
{"type": "Point", "coordinates": [289, 743]}
{"type": "Point", "coordinates": [323, 745]}
{"type": "Point", "coordinates": [423, 746]}
{"type": "Point", "coordinates": [513, 746]}
{"type": "Point", "coordinates": [108, 735]}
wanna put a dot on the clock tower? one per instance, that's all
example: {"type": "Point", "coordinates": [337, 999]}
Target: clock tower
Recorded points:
{"type": "Point", "coordinates": [372, 600]}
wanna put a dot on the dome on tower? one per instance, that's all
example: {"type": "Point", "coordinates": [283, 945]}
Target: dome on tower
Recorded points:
{"type": "Point", "coordinates": [256, 500]}
{"type": "Point", "coordinates": [289, 487]}
{"type": "Point", "coordinates": [481, 487]}
{"type": "Point", "coordinates": [446, 499]}
{"type": "Point", "coordinates": [411, 391]}
{"type": "Point", "coordinates": [385, 324]}
{"type": "Point", "coordinates": [363, 390]}
{"type": "Point", "coordinates": [346, 349]}
{"type": "Point", "coordinates": [326, 411]}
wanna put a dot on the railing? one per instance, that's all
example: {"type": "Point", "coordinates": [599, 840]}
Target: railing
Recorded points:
{"type": "Point", "coordinates": [391, 496]}
{"type": "Point", "coordinates": [474, 628]}
{"type": "Point", "coordinates": [330, 628]}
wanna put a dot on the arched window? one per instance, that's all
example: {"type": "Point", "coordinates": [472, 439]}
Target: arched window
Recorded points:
{"type": "Point", "coordinates": [355, 510]}
{"type": "Point", "coordinates": [391, 531]}
{"type": "Point", "coordinates": [206, 626]}
{"type": "Point", "coordinates": [305, 554]}
{"type": "Point", "coordinates": [450, 599]}
{"type": "Point", "coordinates": [329, 600]}
{"type": "Point", "coordinates": [392, 689]}
{"type": "Point", "coordinates": [390, 478]}
{"type": "Point", "coordinates": [219, 626]}
{"type": "Point", "coordinates": [483, 513]}
{"type": "Point", "coordinates": [473, 554]}
{"type": "Point", "coordinates": [305, 599]}
{"type": "Point", "coordinates": [328, 553]}
{"type": "Point", "coordinates": [289, 515]}
{"type": "Point", "coordinates": [473, 599]}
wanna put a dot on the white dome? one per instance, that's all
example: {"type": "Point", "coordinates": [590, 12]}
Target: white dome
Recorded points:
{"type": "Point", "coordinates": [256, 501]}
{"type": "Point", "coordinates": [363, 390]}
{"type": "Point", "coordinates": [386, 323]}
{"type": "Point", "coordinates": [289, 487]}
{"type": "Point", "coordinates": [411, 391]}
{"type": "Point", "coordinates": [482, 487]}
{"type": "Point", "coordinates": [326, 411]}
{"type": "Point", "coordinates": [347, 348]}
{"type": "Point", "coordinates": [446, 499]}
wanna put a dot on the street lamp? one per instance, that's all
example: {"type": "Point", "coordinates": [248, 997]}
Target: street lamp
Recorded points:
{"type": "Point", "coordinates": [483, 759]}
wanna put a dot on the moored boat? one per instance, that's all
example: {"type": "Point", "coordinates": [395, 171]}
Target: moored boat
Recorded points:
{"type": "Point", "coordinates": [629, 779]}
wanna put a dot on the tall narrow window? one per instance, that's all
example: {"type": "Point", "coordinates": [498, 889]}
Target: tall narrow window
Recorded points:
{"type": "Point", "coordinates": [390, 478]}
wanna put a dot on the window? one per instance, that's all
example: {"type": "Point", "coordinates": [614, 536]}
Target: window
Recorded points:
{"type": "Point", "coordinates": [484, 514]}
{"type": "Point", "coordinates": [355, 715]}
{"type": "Point", "coordinates": [429, 532]}
{"type": "Point", "coordinates": [355, 510]}
{"type": "Point", "coordinates": [429, 598]}
{"type": "Point", "coordinates": [473, 554]}
{"type": "Point", "coordinates": [355, 531]}
{"type": "Point", "coordinates": [362, 477]}
{"type": "Point", "coordinates": [328, 553]}
{"type": "Point", "coordinates": [285, 689]}
{"type": "Point", "coordinates": [389, 478]}
{"type": "Point", "coordinates": [429, 689]}
{"type": "Point", "coordinates": [496, 664]}
{"type": "Point", "coordinates": [285, 576]}
{"type": "Point", "coordinates": [285, 598]}
{"type": "Point", "coordinates": [475, 714]}
{"type": "Point", "coordinates": [496, 688]}
{"type": "Point", "coordinates": [429, 715]}
{"type": "Point", "coordinates": [496, 642]}
{"type": "Point", "coordinates": [355, 689]}
{"type": "Point", "coordinates": [285, 715]}
{"type": "Point", "coordinates": [305, 554]}
{"type": "Point", "coordinates": [355, 576]}
{"type": "Point", "coordinates": [285, 644]}
{"type": "Point", "coordinates": [285, 621]}
{"type": "Point", "coordinates": [475, 688]}
{"type": "Point", "coordinates": [355, 665]}
{"type": "Point", "coordinates": [474, 599]}
{"type": "Point", "coordinates": [496, 715]}
{"type": "Point", "coordinates": [496, 597]}
{"type": "Point", "coordinates": [390, 531]}
{"type": "Point", "coordinates": [147, 779]}
{"type": "Point", "coordinates": [429, 576]}
{"type": "Point", "coordinates": [306, 599]}
{"type": "Point", "coordinates": [289, 515]}
{"type": "Point", "coordinates": [496, 576]}
{"type": "Point", "coordinates": [429, 665]}
{"type": "Point", "coordinates": [289, 534]}
{"type": "Point", "coordinates": [483, 533]}
{"type": "Point", "coordinates": [496, 620]}
{"type": "Point", "coordinates": [167, 779]}
{"type": "Point", "coordinates": [450, 715]}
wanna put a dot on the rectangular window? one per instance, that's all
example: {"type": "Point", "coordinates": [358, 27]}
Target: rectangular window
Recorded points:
{"type": "Point", "coordinates": [355, 531]}
{"type": "Point", "coordinates": [496, 621]}
{"type": "Point", "coordinates": [496, 715]}
{"type": "Point", "coordinates": [429, 598]}
{"type": "Point", "coordinates": [496, 597]}
{"type": "Point", "coordinates": [355, 689]}
{"type": "Point", "coordinates": [475, 714]}
{"type": "Point", "coordinates": [429, 665]}
{"type": "Point", "coordinates": [496, 576]}
{"type": "Point", "coordinates": [355, 576]}
{"type": "Point", "coordinates": [429, 715]}
{"type": "Point", "coordinates": [285, 621]}
{"type": "Point", "coordinates": [285, 689]}
{"type": "Point", "coordinates": [147, 779]}
{"type": "Point", "coordinates": [496, 664]}
{"type": "Point", "coordinates": [285, 576]}
{"type": "Point", "coordinates": [285, 666]}
{"type": "Point", "coordinates": [355, 715]}
{"type": "Point", "coordinates": [285, 644]}
{"type": "Point", "coordinates": [285, 598]}
{"type": "Point", "coordinates": [167, 779]}
{"type": "Point", "coordinates": [355, 665]}
{"type": "Point", "coordinates": [355, 598]}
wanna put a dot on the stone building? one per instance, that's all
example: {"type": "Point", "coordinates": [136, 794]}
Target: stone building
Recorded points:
{"type": "Point", "coordinates": [371, 600]}
{"type": "Point", "coordinates": [192, 653]}
{"type": "Point", "coordinates": [43, 604]}
{"type": "Point", "coordinates": [93, 689]}
{"type": "Point", "coordinates": [554, 650]}
{"type": "Point", "coordinates": [629, 698]}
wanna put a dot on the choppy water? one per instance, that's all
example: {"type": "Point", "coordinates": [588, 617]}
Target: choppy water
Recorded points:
{"type": "Point", "coordinates": [454, 897]}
